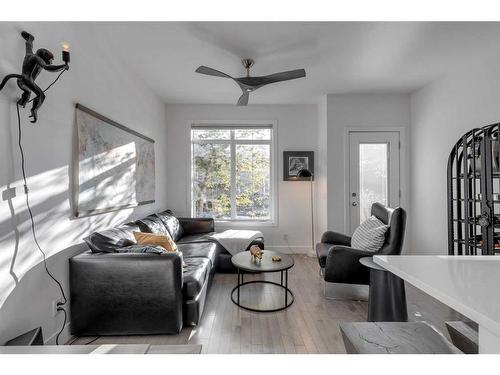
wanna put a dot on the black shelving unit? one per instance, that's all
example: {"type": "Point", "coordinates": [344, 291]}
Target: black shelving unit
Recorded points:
{"type": "Point", "coordinates": [474, 193]}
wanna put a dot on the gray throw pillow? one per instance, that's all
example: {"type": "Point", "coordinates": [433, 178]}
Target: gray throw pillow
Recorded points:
{"type": "Point", "coordinates": [370, 235]}
{"type": "Point", "coordinates": [144, 249]}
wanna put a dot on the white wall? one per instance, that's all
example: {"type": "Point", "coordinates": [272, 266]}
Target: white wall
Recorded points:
{"type": "Point", "coordinates": [441, 113]}
{"type": "Point", "coordinates": [360, 111]}
{"type": "Point", "coordinates": [100, 82]}
{"type": "Point", "coordinates": [321, 172]}
{"type": "Point", "coordinates": [297, 130]}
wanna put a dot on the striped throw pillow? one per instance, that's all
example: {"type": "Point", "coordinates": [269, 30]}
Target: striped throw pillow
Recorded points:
{"type": "Point", "coordinates": [370, 235]}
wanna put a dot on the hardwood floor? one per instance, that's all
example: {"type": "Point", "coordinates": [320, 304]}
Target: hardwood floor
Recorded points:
{"type": "Point", "coordinates": [310, 325]}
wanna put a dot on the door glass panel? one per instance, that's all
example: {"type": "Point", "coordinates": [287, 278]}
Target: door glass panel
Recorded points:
{"type": "Point", "coordinates": [373, 177]}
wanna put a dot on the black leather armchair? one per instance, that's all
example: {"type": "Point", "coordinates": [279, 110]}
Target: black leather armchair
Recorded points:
{"type": "Point", "coordinates": [340, 262]}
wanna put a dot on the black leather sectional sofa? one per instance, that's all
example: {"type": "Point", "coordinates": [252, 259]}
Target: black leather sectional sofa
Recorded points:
{"type": "Point", "coordinates": [121, 288]}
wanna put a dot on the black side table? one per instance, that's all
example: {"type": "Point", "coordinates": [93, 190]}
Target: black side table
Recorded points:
{"type": "Point", "coordinates": [387, 298]}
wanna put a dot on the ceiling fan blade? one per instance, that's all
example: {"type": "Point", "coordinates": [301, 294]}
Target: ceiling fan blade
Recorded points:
{"type": "Point", "coordinates": [211, 72]}
{"type": "Point", "coordinates": [283, 76]}
{"type": "Point", "coordinates": [243, 100]}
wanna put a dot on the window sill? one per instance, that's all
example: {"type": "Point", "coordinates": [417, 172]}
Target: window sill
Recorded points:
{"type": "Point", "coordinates": [245, 223]}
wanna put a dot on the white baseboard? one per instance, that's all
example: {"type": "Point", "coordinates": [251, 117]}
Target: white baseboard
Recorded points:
{"type": "Point", "coordinates": [289, 249]}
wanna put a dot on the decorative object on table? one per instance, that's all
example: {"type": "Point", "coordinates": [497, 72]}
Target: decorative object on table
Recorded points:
{"type": "Point", "coordinates": [236, 241]}
{"type": "Point", "coordinates": [306, 173]}
{"type": "Point", "coordinates": [256, 253]}
{"type": "Point", "coordinates": [249, 84]}
{"type": "Point", "coordinates": [33, 64]}
{"type": "Point", "coordinates": [276, 258]}
{"type": "Point", "coordinates": [243, 263]}
{"type": "Point", "coordinates": [473, 179]}
{"type": "Point", "coordinates": [387, 297]}
{"type": "Point", "coordinates": [294, 161]}
{"type": "Point", "coordinates": [116, 165]}
{"type": "Point", "coordinates": [345, 277]}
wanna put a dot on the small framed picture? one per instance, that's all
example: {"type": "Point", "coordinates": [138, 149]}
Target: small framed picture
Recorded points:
{"type": "Point", "coordinates": [294, 161]}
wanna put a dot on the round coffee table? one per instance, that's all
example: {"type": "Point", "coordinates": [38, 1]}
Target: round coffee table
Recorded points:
{"type": "Point", "coordinates": [243, 262]}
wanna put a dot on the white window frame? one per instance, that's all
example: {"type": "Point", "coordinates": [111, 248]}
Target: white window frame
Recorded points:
{"type": "Point", "coordinates": [273, 221]}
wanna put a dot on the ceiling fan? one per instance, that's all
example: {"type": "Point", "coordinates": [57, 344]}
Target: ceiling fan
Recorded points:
{"type": "Point", "coordinates": [249, 84]}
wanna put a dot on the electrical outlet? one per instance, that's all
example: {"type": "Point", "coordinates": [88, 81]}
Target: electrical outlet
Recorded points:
{"type": "Point", "coordinates": [285, 237]}
{"type": "Point", "coordinates": [8, 194]}
{"type": "Point", "coordinates": [55, 306]}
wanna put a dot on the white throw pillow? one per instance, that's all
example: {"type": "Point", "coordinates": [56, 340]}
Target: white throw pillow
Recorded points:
{"type": "Point", "coordinates": [370, 235]}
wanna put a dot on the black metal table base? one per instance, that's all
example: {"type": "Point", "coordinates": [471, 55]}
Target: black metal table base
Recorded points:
{"type": "Point", "coordinates": [288, 297]}
{"type": "Point", "coordinates": [387, 300]}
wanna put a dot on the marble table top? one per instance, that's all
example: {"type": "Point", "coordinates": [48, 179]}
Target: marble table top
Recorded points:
{"type": "Point", "coordinates": [467, 284]}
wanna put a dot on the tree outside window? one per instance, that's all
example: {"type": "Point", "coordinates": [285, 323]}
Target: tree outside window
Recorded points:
{"type": "Point", "coordinates": [231, 173]}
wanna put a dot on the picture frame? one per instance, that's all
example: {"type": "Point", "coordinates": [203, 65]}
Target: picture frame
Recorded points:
{"type": "Point", "coordinates": [113, 166]}
{"type": "Point", "coordinates": [293, 161]}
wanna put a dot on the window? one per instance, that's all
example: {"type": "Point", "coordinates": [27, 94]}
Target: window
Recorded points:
{"type": "Point", "coordinates": [231, 172]}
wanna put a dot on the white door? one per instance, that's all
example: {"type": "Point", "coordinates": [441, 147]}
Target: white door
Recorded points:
{"type": "Point", "coordinates": [373, 173]}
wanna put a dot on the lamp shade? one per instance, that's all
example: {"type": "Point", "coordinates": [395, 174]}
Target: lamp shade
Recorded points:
{"type": "Point", "coordinates": [304, 173]}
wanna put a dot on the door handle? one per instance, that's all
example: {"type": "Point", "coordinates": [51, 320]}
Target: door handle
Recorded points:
{"type": "Point", "coordinates": [354, 203]}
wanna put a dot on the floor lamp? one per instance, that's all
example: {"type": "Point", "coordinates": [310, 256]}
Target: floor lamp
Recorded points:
{"type": "Point", "coordinates": [306, 173]}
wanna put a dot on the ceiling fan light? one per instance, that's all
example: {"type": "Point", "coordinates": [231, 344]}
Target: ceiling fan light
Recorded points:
{"type": "Point", "coordinates": [250, 84]}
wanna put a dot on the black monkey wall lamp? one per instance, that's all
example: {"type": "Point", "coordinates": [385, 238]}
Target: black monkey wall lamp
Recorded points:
{"type": "Point", "coordinates": [33, 64]}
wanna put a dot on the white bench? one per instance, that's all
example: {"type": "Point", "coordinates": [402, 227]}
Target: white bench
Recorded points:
{"type": "Point", "coordinates": [394, 338]}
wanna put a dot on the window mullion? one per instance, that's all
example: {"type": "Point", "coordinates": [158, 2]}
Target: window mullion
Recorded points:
{"type": "Point", "coordinates": [233, 177]}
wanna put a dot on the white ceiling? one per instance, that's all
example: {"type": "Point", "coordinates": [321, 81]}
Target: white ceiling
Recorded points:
{"type": "Point", "coordinates": [339, 57]}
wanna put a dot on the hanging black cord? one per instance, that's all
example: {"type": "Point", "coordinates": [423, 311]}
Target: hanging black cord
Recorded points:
{"type": "Point", "coordinates": [33, 227]}
{"type": "Point", "coordinates": [61, 308]}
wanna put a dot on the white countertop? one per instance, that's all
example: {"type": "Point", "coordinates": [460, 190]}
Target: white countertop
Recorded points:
{"type": "Point", "coordinates": [468, 284]}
